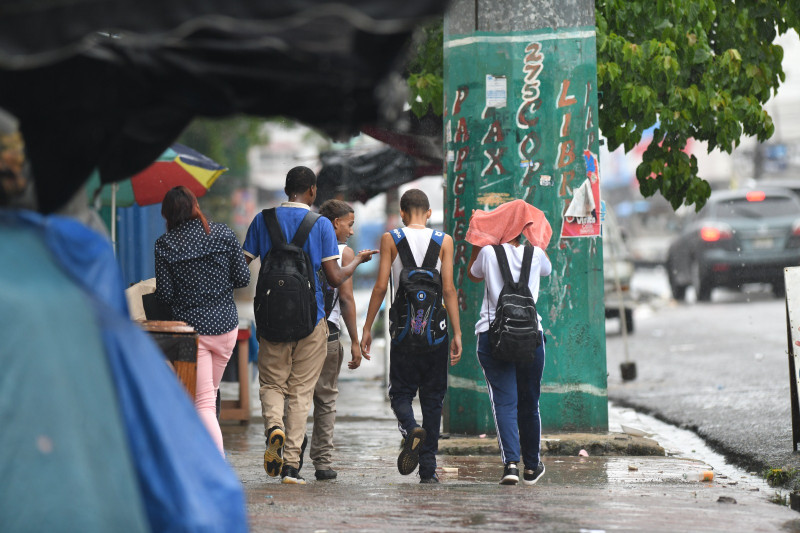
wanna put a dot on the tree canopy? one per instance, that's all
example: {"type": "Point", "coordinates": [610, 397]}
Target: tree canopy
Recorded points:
{"type": "Point", "coordinates": [700, 69]}
{"type": "Point", "coordinates": [694, 69]}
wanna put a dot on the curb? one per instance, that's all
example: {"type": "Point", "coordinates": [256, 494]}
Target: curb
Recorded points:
{"type": "Point", "coordinates": [564, 444]}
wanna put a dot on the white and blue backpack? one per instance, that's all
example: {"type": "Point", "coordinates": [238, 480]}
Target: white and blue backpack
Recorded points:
{"type": "Point", "coordinates": [417, 317]}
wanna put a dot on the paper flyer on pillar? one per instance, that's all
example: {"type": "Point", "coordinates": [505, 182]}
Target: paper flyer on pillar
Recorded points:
{"type": "Point", "coordinates": [582, 211]}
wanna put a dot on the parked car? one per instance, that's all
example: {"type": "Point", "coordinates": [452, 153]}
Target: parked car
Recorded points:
{"type": "Point", "coordinates": [745, 236]}
{"type": "Point", "coordinates": [617, 267]}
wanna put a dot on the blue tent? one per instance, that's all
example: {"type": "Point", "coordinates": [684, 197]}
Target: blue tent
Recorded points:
{"type": "Point", "coordinates": [97, 433]}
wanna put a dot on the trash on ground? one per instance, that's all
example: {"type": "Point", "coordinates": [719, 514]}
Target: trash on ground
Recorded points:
{"type": "Point", "coordinates": [583, 453]}
{"type": "Point", "coordinates": [726, 499]}
{"type": "Point", "coordinates": [704, 475]}
{"type": "Point", "coordinates": [636, 432]}
{"type": "Point", "coordinates": [447, 471]}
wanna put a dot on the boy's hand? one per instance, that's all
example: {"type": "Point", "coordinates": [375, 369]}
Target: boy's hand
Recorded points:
{"type": "Point", "coordinates": [355, 355]}
{"type": "Point", "coordinates": [364, 256]}
{"type": "Point", "coordinates": [366, 342]}
{"type": "Point", "coordinates": [455, 350]}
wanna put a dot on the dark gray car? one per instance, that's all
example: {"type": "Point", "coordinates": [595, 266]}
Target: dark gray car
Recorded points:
{"type": "Point", "coordinates": [745, 236]}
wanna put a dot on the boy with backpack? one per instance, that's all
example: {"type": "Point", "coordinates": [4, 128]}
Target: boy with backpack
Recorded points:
{"type": "Point", "coordinates": [420, 263]}
{"type": "Point", "coordinates": [339, 304]}
{"type": "Point", "coordinates": [293, 244]}
{"type": "Point", "coordinates": [511, 349]}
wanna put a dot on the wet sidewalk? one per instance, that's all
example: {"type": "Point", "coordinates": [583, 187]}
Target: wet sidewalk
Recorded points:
{"type": "Point", "coordinates": [616, 492]}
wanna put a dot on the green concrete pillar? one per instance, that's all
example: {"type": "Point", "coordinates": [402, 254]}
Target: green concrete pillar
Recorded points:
{"type": "Point", "coordinates": [520, 121]}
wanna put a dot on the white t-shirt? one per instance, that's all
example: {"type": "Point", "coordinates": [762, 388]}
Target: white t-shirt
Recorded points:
{"type": "Point", "coordinates": [418, 241]}
{"type": "Point", "coordinates": [486, 267]}
{"type": "Point", "coordinates": [336, 312]}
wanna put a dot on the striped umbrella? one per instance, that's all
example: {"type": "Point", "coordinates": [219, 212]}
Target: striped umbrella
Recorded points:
{"type": "Point", "coordinates": [178, 165]}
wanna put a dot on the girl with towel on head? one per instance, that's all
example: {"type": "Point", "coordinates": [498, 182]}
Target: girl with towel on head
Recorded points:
{"type": "Point", "coordinates": [514, 386]}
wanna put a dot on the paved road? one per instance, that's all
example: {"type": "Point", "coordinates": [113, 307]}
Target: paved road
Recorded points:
{"type": "Point", "coordinates": [718, 368]}
{"type": "Point", "coordinates": [575, 494]}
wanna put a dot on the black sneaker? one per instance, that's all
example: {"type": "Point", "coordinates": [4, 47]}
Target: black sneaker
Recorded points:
{"type": "Point", "coordinates": [302, 452]}
{"type": "Point", "coordinates": [408, 459]}
{"type": "Point", "coordinates": [510, 474]}
{"type": "Point", "coordinates": [291, 476]}
{"type": "Point", "coordinates": [324, 475]}
{"type": "Point", "coordinates": [273, 457]}
{"type": "Point", "coordinates": [433, 479]}
{"type": "Point", "coordinates": [529, 477]}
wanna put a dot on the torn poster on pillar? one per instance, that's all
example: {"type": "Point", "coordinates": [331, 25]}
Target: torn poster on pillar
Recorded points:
{"type": "Point", "coordinates": [581, 213]}
{"type": "Point", "coordinates": [496, 91]}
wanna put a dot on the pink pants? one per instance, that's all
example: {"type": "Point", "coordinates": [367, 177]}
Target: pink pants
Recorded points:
{"type": "Point", "coordinates": [213, 352]}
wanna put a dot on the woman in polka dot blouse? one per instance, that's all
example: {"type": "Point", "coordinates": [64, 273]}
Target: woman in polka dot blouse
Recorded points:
{"type": "Point", "coordinates": [198, 264]}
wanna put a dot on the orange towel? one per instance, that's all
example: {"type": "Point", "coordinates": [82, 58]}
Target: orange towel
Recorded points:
{"type": "Point", "coordinates": [507, 222]}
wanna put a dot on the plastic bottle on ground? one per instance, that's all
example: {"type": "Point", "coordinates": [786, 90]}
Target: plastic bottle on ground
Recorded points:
{"type": "Point", "coordinates": [704, 475]}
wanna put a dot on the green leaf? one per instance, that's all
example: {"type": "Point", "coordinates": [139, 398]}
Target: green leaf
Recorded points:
{"type": "Point", "coordinates": [701, 55]}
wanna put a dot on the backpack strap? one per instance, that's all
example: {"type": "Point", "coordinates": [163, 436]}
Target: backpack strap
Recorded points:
{"type": "Point", "coordinates": [502, 261]}
{"type": "Point", "coordinates": [273, 227]}
{"type": "Point", "coordinates": [403, 249]}
{"type": "Point", "coordinates": [437, 237]}
{"type": "Point", "coordinates": [333, 305]}
{"type": "Point", "coordinates": [303, 231]}
{"type": "Point", "coordinates": [525, 269]}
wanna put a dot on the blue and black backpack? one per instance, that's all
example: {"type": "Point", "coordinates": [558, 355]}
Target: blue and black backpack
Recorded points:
{"type": "Point", "coordinates": [417, 317]}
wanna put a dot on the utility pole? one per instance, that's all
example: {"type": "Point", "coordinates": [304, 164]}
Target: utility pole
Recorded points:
{"type": "Point", "coordinates": [520, 82]}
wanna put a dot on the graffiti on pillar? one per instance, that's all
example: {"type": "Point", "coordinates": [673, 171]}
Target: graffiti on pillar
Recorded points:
{"type": "Point", "coordinates": [521, 122]}
{"type": "Point", "coordinates": [457, 210]}
{"type": "Point", "coordinates": [527, 122]}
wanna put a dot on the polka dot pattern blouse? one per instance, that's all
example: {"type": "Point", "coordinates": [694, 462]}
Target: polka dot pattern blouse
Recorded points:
{"type": "Point", "coordinates": [196, 274]}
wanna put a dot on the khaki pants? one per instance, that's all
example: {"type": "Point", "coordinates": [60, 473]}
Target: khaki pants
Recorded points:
{"type": "Point", "coordinates": [288, 372]}
{"type": "Point", "coordinates": [325, 394]}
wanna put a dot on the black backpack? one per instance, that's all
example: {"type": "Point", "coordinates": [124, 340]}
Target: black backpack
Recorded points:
{"type": "Point", "coordinates": [514, 332]}
{"type": "Point", "coordinates": [417, 317]}
{"type": "Point", "coordinates": [286, 298]}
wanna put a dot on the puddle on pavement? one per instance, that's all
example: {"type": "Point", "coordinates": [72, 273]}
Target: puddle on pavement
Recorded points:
{"type": "Point", "coordinates": [366, 441]}
{"type": "Point", "coordinates": [682, 443]}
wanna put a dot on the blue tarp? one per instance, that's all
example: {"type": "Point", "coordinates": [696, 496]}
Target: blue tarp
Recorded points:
{"type": "Point", "coordinates": [98, 434]}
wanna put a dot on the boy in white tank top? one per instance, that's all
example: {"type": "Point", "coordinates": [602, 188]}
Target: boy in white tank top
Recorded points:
{"type": "Point", "coordinates": [326, 390]}
{"type": "Point", "coordinates": [411, 372]}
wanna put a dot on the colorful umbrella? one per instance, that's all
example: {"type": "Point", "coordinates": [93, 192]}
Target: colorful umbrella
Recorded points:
{"type": "Point", "coordinates": [178, 165]}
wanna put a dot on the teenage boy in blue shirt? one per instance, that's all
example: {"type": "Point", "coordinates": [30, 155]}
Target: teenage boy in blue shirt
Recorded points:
{"type": "Point", "coordinates": [288, 371]}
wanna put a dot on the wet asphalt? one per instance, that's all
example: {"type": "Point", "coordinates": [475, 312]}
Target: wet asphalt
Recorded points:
{"type": "Point", "coordinates": [719, 368]}
{"type": "Point", "coordinates": [575, 493]}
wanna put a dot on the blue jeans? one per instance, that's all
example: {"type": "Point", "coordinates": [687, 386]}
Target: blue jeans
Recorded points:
{"type": "Point", "coordinates": [410, 372]}
{"type": "Point", "coordinates": [514, 390]}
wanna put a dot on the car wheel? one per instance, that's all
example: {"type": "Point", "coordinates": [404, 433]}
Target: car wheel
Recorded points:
{"type": "Point", "coordinates": [701, 283]}
{"type": "Point", "coordinates": [629, 320]}
{"type": "Point", "coordinates": [678, 290]}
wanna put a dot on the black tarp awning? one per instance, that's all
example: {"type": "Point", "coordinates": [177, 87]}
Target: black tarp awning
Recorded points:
{"type": "Point", "coordinates": [116, 102]}
{"type": "Point", "coordinates": [411, 152]}
{"type": "Point", "coordinates": [360, 176]}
